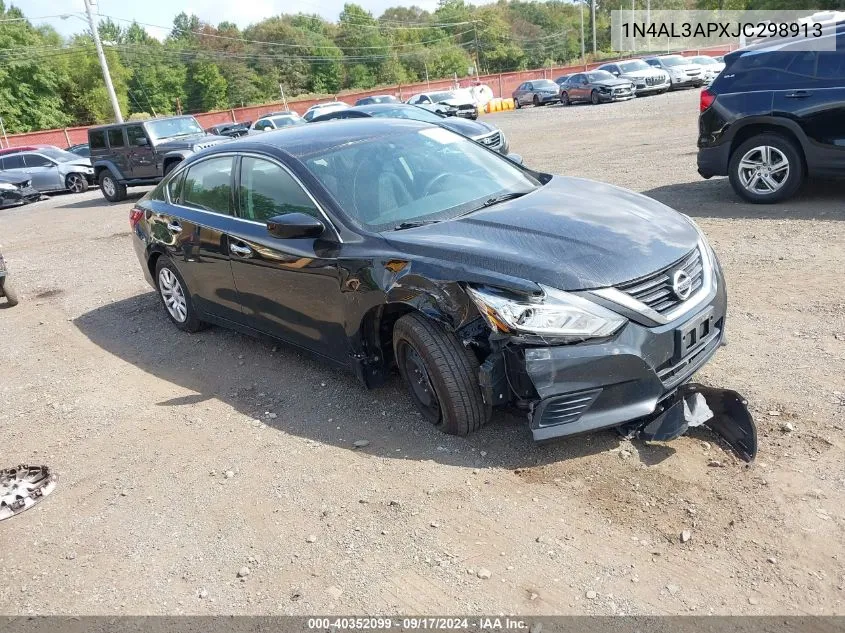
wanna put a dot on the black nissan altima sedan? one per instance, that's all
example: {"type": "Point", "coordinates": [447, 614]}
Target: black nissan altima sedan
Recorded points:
{"type": "Point", "coordinates": [381, 243]}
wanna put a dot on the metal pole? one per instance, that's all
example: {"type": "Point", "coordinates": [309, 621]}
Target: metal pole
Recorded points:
{"type": "Point", "coordinates": [284, 100]}
{"type": "Point", "coordinates": [106, 76]}
{"type": "Point", "coordinates": [633, 41]}
{"type": "Point", "coordinates": [3, 129]}
{"type": "Point", "coordinates": [594, 29]}
{"type": "Point", "coordinates": [583, 53]}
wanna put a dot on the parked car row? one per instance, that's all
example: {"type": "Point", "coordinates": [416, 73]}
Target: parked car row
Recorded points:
{"type": "Point", "coordinates": [620, 81]}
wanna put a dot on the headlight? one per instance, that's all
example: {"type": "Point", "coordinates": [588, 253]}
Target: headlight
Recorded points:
{"type": "Point", "coordinates": [604, 89]}
{"type": "Point", "coordinates": [556, 314]}
{"type": "Point", "coordinates": [7, 186]}
{"type": "Point", "coordinates": [707, 251]}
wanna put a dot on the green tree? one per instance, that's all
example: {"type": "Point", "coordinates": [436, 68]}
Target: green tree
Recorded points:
{"type": "Point", "coordinates": [205, 87]}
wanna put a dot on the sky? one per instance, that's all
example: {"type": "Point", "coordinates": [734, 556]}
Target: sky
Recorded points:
{"type": "Point", "coordinates": [162, 12]}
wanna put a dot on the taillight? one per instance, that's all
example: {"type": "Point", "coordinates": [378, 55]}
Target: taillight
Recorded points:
{"type": "Point", "coordinates": [707, 99]}
{"type": "Point", "coordinates": [135, 216]}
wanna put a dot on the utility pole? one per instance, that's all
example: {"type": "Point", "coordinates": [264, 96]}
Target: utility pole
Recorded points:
{"type": "Point", "coordinates": [593, 3]}
{"type": "Point", "coordinates": [106, 76]}
{"type": "Point", "coordinates": [477, 63]}
{"type": "Point", "coordinates": [633, 41]}
{"type": "Point", "coordinates": [583, 52]}
{"type": "Point", "coordinates": [284, 100]}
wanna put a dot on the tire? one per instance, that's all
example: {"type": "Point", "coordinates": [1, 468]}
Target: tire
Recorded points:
{"type": "Point", "coordinates": [76, 183]}
{"type": "Point", "coordinates": [9, 292]}
{"type": "Point", "coordinates": [450, 374]}
{"type": "Point", "coordinates": [594, 97]}
{"type": "Point", "coordinates": [113, 191]}
{"type": "Point", "coordinates": [753, 152]}
{"type": "Point", "coordinates": [170, 167]}
{"type": "Point", "coordinates": [536, 101]}
{"type": "Point", "coordinates": [172, 287]}
{"type": "Point", "coordinates": [564, 99]}
{"type": "Point", "coordinates": [516, 104]}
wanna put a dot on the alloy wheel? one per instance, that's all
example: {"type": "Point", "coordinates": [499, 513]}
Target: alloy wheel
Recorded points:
{"type": "Point", "coordinates": [173, 295]}
{"type": "Point", "coordinates": [109, 187]}
{"type": "Point", "coordinates": [75, 183]}
{"type": "Point", "coordinates": [763, 170]}
{"type": "Point", "coordinates": [418, 379]}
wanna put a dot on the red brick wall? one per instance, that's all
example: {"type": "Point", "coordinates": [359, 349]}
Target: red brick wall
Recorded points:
{"type": "Point", "coordinates": [502, 85]}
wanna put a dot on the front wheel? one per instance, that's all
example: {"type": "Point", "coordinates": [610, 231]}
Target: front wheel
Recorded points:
{"type": "Point", "coordinates": [766, 168]}
{"type": "Point", "coordinates": [113, 191]}
{"type": "Point", "coordinates": [594, 97]}
{"type": "Point", "coordinates": [516, 103]}
{"type": "Point", "coordinates": [441, 375]}
{"type": "Point", "coordinates": [564, 98]}
{"type": "Point", "coordinates": [175, 297]}
{"type": "Point", "coordinates": [536, 101]}
{"type": "Point", "coordinates": [76, 183]}
{"type": "Point", "coordinates": [9, 292]}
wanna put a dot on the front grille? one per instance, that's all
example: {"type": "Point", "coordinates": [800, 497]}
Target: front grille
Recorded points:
{"type": "Point", "coordinates": [491, 140]}
{"type": "Point", "coordinates": [693, 73]}
{"type": "Point", "coordinates": [655, 290]}
{"type": "Point", "coordinates": [567, 409]}
{"type": "Point", "coordinates": [654, 81]}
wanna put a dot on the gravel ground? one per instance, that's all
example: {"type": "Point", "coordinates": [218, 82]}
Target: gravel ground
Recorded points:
{"type": "Point", "coordinates": [188, 460]}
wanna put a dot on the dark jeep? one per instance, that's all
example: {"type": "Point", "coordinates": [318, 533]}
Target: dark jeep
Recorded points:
{"type": "Point", "coordinates": [143, 152]}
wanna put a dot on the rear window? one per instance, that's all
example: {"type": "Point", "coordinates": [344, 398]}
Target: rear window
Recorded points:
{"type": "Point", "coordinates": [96, 139]}
{"type": "Point", "coordinates": [775, 70]}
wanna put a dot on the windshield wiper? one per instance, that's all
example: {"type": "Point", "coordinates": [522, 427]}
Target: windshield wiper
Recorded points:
{"type": "Point", "coordinates": [500, 198]}
{"type": "Point", "coordinates": [413, 224]}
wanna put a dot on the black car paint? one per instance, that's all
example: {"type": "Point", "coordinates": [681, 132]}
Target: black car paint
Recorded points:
{"type": "Point", "coordinates": [579, 88]}
{"type": "Point", "coordinates": [806, 109]}
{"type": "Point", "coordinates": [338, 295]}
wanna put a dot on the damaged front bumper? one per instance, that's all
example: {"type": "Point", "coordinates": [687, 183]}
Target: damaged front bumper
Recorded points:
{"type": "Point", "coordinates": [630, 381]}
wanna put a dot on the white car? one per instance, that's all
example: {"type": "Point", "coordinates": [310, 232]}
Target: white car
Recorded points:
{"type": "Point", "coordinates": [275, 121]}
{"type": "Point", "coordinates": [712, 67]}
{"type": "Point", "coordinates": [449, 102]}
{"type": "Point", "coordinates": [681, 70]}
{"type": "Point", "coordinates": [323, 108]}
{"type": "Point", "coordinates": [646, 79]}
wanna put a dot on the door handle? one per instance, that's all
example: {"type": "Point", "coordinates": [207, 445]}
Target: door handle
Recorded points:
{"type": "Point", "coordinates": [174, 227]}
{"type": "Point", "coordinates": [240, 251]}
{"type": "Point", "coordinates": [798, 94]}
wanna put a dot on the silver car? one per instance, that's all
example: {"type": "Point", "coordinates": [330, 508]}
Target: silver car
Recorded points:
{"type": "Point", "coordinates": [646, 79]}
{"type": "Point", "coordinates": [50, 169]}
{"type": "Point", "coordinates": [681, 70]}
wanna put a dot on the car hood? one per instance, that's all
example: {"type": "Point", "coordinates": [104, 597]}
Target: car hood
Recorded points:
{"type": "Point", "coordinates": [194, 142]}
{"type": "Point", "coordinates": [612, 83]}
{"type": "Point", "coordinates": [80, 161]}
{"type": "Point", "coordinates": [571, 234]}
{"type": "Point", "coordinates": [454, 101]}
{"type": "Point", "coordinates": [472, 129]}
{"type": "Point", "coordinates": [686, 67]}
{"type": "Point", "coordinates": [642, 74]}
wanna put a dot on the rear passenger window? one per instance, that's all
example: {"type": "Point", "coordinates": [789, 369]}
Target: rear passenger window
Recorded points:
{"type": "Point", "coordinates": [832, 66]}
{"type": "Point", "coordinates": [97, 139]}
{"type": "Point", "coordinates": [208, 186]}
{"type": "Point", "coordinates": [267, 190]}
{"type": "Point", "coordinates": [116, 137]}
{"type": "Point", "coordinates": [34, 160]}
{"type": "Point", "coordinates": [780, 70]}
{"type": "Point", "coordinates": [13, 162]}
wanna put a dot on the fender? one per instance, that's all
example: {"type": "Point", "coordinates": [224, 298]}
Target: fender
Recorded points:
{"type": "Point", "coordinates": [100, 165]}
{"type": "Point", "coordinates": [181, 154]}
{"type": "Point", "coordinates": [770, 121]}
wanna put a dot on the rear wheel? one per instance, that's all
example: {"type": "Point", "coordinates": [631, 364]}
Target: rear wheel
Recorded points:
{"type": "Point", "coordinates": [9, 292]}
{"type": "Point", "coordinates": [175, 297]}
{"type": "Point", "coordinates": [113, 191]}
{"type": "Point", "coordinates": [76, 183]}
{"type": "Point", "coordinates": [766, 168]}
{"type": "Point", "coordinates": [441, 374]}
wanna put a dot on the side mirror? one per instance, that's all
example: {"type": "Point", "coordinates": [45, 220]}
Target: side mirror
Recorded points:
{"type": "Point", "coordinates": [616, 72]}
{"type": "Point", "coordinates": [292, 226]}
{"type": "Point", "coordinates": [515, 158]}
{"type": "Point", "coordinates": [141, 142]}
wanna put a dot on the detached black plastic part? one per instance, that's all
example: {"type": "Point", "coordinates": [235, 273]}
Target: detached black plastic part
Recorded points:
{"type": "Point", "coordinates": [731, 420]}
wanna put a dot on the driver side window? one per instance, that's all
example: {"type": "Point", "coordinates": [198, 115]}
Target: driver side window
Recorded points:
{"type": "Point", "coordinates": [267, 190]}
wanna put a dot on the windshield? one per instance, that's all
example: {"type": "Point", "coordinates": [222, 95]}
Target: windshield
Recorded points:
{"type": "Point", "coordinates": [424, 175]}
{"type": "Point", "coordinates": [408, 112]}
{"type": "Point", "coordinates": [442, 96]}
{"type": "Point", "coordinates": [599, 75]}
{"type": "Point", "coordinates": [543, 83]}
{"type": "Point", "coordinates": [283, 121]}
{"type": "Point", "coordinates": [169, 128]}
{"type": "Point", "coordinates": [58, 155]}
{"type": "Point", "coordinates": [704, 61]}
{"type": "Point", "coordinates": [674, 60]}
{"type": "Point", "coordinates": [633, 66]}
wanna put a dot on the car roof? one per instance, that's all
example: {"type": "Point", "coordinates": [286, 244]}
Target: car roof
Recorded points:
{"type": "Point", "coordinates": [305, 140]}
{"type": "Point", "coordinates": [150, 120]}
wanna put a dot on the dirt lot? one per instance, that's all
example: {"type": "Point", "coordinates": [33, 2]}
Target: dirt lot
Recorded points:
{"type": "Point", "coordinates": [142, 423]}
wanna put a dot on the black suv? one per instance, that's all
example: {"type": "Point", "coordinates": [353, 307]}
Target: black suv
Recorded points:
{"type": "Point", "coordinates": [143, 152]}
{"type": "Point", "coordinates": [774, 116]}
